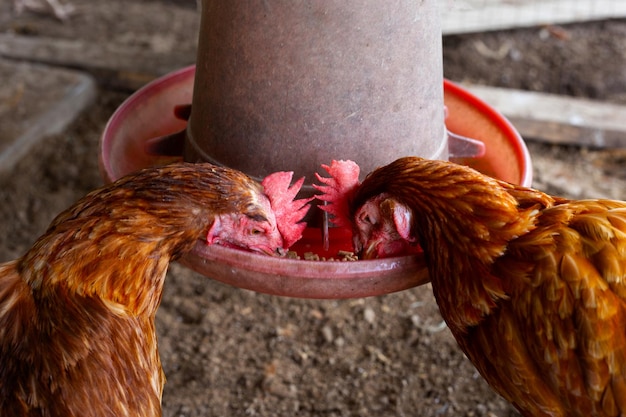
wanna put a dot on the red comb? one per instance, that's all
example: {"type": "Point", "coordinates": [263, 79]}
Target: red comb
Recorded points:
{"type": "Point", "coordinates": [338, 190]}
{"type": "Point", "coordinates": [288, 212]}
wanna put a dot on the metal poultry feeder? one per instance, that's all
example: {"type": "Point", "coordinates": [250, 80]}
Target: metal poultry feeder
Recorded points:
{"type": "Point", "coordinates": [287, 86]}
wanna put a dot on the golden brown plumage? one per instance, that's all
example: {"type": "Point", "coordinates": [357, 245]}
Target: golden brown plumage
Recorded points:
{"type": "Point", "coordinates": [532, 287]}
{"type": "Point", "coordinates": [77, 335]}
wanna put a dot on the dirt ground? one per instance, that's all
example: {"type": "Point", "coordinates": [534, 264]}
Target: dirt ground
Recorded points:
{"type": "Point", "coordinates": [232, 352]}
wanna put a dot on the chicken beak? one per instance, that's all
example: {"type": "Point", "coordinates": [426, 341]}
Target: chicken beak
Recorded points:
{"type": "Point", "coordinates": [370, 250]}
{"type": "Point", "coordinates": [272, 251]}
{"type": "Point", "coordinates": [383, 247]}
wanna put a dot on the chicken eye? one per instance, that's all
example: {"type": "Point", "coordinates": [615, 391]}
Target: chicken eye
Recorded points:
{"type": "Point", "coordinates": [257, 232]}
{"type": "Point", "coordinates": [366, 218]}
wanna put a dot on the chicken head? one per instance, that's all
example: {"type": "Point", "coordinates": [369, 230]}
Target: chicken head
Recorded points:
{"type": "Point", "coordinates": [273, 222]}
{"type": "Point", "coordinates": [256, 233]}
{"type": "Point", "coordinates": [382, 228]}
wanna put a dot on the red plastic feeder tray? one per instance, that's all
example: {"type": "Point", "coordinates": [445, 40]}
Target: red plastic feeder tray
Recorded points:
{"type": "Point", "coordinates": [149, 113]}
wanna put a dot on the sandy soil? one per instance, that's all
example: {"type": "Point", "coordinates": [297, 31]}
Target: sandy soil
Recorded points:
{"type": "Point", "coordinates": [232, 352]}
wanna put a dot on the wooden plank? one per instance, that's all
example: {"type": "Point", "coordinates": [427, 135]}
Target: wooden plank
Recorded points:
{"type": "Point", "coordinates": [466, 16]}
{"type": "Point", "coordinates": [114, 66]}
{"type": "Point", "coordinates": [559, 119]}
{"type": "Point", "coordinates": [37, 101]}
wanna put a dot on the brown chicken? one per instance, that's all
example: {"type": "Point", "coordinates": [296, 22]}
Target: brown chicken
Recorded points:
{"type": "Point", "coordinates": [77, 331]}
{"type": "Point", "coordinates": [532, 287]}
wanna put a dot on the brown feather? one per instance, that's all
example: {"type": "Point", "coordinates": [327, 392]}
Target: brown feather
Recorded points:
{"type": "Point", "coordinates": [77, 333]}
{"type": "Point", "coordinates": [532, 287]}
